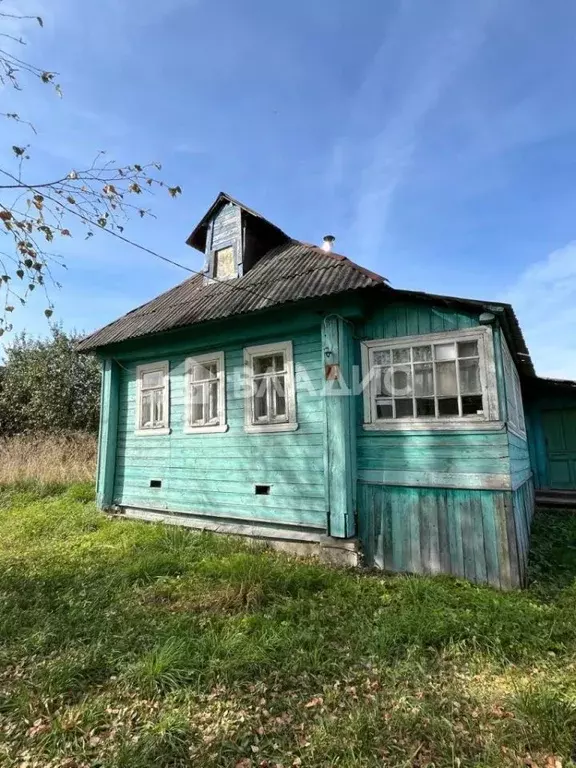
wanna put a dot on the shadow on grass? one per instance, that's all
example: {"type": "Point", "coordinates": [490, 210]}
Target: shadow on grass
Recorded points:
{"type": "Point", "coordinates": [553, 551]}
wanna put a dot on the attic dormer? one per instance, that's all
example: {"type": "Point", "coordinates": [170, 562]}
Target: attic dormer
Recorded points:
{"type": "Point", "coordinates": [233, 238]}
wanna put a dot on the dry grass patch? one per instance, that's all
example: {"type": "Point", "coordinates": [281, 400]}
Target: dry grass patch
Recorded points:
{"type": "Point", "coordinates": [66, 458]}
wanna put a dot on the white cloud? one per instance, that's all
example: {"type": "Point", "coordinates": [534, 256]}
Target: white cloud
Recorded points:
{"type": "Point", "coordinates": [544, 297]}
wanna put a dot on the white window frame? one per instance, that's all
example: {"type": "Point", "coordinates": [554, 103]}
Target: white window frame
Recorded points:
{"type": "Point", "coordinates": [513, 392]}
{"type": "Point", "coordinates": [164, 367]}
{"type": "Point", "coordinates": [211, 357]}
{"type": "Point", "coordinates": [489, 420]}
{"type": "Point", "coordinates": [290, 424]}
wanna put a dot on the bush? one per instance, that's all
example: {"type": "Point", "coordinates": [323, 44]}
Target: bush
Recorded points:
{"type": "Point", "coordinates": [46, 386]}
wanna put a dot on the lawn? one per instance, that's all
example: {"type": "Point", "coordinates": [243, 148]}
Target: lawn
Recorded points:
{"type": "Point", "coordinates": [126, 644]}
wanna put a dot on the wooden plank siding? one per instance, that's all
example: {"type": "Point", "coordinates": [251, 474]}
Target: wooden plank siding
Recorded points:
{"type": "Point", "coordinates": [404, 319]}
{"type": "Point", "coordinates": [470, 534]}
{"type": "Point", "coordinates": [520, 466]}
{"type": "Point", "coordinates": [216, 474]}
{"type": "Point", "coordinates": [461, 459]}
{"type": "Point", "coordinates": [226, 227]}
{"type": "Point", "coordinates": [442, 501]}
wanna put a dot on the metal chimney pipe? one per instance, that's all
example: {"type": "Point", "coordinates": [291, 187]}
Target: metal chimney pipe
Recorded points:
{"type": "Point", "coordinates": [328, 243]}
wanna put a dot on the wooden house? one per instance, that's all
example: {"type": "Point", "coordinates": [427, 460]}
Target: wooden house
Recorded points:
{"type": "Point", "coordinates": [287, 393]}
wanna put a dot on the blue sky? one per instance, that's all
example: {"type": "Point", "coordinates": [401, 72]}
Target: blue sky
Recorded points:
{"type": "Point", "coordinates": [435, 138]}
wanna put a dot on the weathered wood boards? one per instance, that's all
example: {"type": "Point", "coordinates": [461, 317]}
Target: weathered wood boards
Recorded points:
{"type": "Point", "coordinates": [478, 535]}
{"type": "Point", "coordinates": [455, 502]}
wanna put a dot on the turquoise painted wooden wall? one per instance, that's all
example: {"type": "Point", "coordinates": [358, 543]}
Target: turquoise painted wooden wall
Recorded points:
{"type": "Point", "coordinates": [471, 534]}
{"type": "Point", "coordinates": [458, 459]}
{"type": "Point", "coordinates": [215, 474]}
{"type": "Point", "coordinates": [443, 502]}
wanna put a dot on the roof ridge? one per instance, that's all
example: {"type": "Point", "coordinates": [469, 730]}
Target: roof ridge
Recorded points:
{"type": "Point", "coordinates": [340, 257]}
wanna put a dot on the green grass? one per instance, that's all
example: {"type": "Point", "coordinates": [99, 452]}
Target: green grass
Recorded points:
{"type": "Point", "coordinates": [126, 644]}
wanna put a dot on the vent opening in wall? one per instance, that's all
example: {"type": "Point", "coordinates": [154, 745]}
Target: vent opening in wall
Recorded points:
{"type": "Point", "coordinates": [262, 490]}
{"type": "Point", "coordinates": [155, 483]}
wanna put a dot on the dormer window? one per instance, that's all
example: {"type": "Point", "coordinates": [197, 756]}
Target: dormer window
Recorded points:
{"type": "Point", "coordinates": [233, 239]}
{"type": "Point", "coordinates": [224, 263]}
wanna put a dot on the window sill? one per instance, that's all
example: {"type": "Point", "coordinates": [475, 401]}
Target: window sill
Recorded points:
{"type": "Point", "coordinates": [151, 432]}
{"type": "Point", "coordinates": [284, 427]}
{"type": "Point", "coordinates": [206, 430]}
{"type": "Point", "coordinates": [450, 425]}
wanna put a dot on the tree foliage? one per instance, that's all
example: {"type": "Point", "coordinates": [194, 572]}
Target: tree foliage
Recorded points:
{"type": "Point", "coordinates": [46, 386]}
{"type": "Point", "coordinates": [35, 213]}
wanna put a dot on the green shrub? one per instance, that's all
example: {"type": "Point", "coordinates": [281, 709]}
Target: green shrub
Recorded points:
{"type": "Point", "coordinates": [46, 386]}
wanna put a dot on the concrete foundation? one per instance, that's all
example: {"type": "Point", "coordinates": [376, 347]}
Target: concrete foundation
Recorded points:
{"type": "Point", "coordinates": [301, 542]}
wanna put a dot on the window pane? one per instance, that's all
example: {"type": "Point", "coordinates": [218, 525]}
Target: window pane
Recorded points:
{"type": "Point", "coordinates": [469, 377]}
{"type": "Point", "coordinates": [402, 381]}
{"type": "Point", "coordinates": [263, 364]}
{"type": "Point", "coordinates": [401, 355]}
{"type": "Point", "coordinates": [383, 381]}
{"type": "Point", "coordinates": [203, 371]}
{"type": "Point", "coordinates": [261, 403]}
{"type": "Point", "coordinates": [448, 407]}
{"type": "Point", "coordinates": [425, 407]}
{"type": "Point", "coordinates": [422, 354]}
{"type": "Point", "coordinates": [279, 364]}
{"type": "Point", "coordinates": [423, 380]}
{"type": "Point", "coordinates": [446, 379]}
{"type": "Point", "coordinates": [445, 351]}
{"type": "Point", "coordinates": [213, 402]}
{"type": "Point", "coordinates": [404, 408]}
{"type": "Point", "coordinates": [153, 379]}
{"type": "Point", "coordinates": [146, 418]}
{"type": "Point", "coordinates": [467, 348]}
{"type": "Point", "coordinates": [158, 411]}
{"type": "Point", "coordinates": [472, 405]}
{"type": "Point", "coordinates": [224, 263]}
{"type": "Point", "coordinates": [279, 395]}
{"type": "Point", "coordinates": [197, 404]}
{"type": "Point", "coordinates": [383, 357]}
{"type": "Point", "coordinates": [384, 409]}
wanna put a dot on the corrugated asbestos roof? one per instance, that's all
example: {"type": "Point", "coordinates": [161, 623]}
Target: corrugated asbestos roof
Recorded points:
{"type": "Point", "coordinates": [290, 272]}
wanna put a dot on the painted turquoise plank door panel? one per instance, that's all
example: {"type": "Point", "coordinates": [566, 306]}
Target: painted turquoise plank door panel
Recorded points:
{"type": "Point", "coordinates": [560, 432]}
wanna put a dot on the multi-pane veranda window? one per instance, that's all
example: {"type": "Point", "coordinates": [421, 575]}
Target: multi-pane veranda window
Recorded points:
{"type": "Point", "coordinates": [205, 385]}
{"type": "Point", "coordinates": [152, 404]}
{"type": "Point", "coordinates": [428, 380]}
{"type": "Point", "coordinates": [271, 403]}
